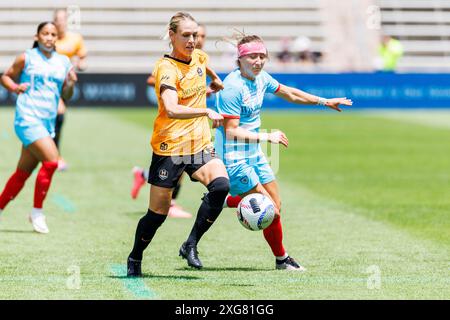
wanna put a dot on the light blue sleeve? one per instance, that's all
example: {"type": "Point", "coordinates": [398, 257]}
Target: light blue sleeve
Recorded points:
{"type": "Point", "coordinates": [229, 101]}
{"type": "Point", "coordinates": [272, 85]}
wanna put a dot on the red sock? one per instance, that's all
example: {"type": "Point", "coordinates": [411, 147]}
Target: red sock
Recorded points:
{"type": "Point", "coordinates": [13, 187]}
{"type": "Point", "coordinates": [274, 236]}
{"type": "Point", "coordinates": [232, 202]}
{"type": "Point", "coordinates": [43, 181]}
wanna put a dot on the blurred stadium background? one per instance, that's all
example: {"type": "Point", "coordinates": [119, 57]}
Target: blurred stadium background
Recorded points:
{"type": "Point", "coordinates": [124, 38]}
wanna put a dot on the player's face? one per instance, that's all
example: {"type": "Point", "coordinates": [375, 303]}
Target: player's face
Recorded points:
{"type": "Point", "coordinates": [47, 36]}
{"type": "Point", "coordinates": [61, 20]}
{"type": "Point", "coordinates": [183, 41]}
{"type": "Point", "coordinates": [252, 64]}
{"type": "Point", "coordinates": [201, 36]}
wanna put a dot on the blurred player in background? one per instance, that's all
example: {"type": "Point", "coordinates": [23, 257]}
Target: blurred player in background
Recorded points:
{"type": "Point", "coordinates": [40, 76]}
{"type": "Point", "coordinates": [238, 141]}
{"type": "Point", "coordinates": [140, 175]}
{"type": "Point", "coordinates": [72, 45]}
{"type": "Point", "coordinates": [181, 142]}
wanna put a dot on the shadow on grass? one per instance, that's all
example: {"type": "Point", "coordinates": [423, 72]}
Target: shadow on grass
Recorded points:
{"type": "Point", "coordinates": [154, 276]}
{"type": "Point", "coordinates": [224, 269]}
{"type": "Point", "coordinates": [17, 231]}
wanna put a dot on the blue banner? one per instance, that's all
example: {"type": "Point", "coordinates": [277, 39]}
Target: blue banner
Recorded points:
{"type": "Point", "coordinates": [369, 90]}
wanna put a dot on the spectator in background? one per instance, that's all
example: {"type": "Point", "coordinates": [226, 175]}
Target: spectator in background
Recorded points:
{"type": "Point", "coordinates": [285, 55]}
{"type": "Point", "coordinates": [303, 53]}
{"type": "Point", "coordinates": [390, 51]}
{"type": "Point", "coordinates": [70, 44]}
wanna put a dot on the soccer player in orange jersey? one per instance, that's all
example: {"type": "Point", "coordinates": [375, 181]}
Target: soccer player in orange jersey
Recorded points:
{"type": "Point", "coordinates": [70, 44]}
{"type": "Point", "coordinates": [181, 142]}
{"type": "Point", "coordinates": [140, 175]}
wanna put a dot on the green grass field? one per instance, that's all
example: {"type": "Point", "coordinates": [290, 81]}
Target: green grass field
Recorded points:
{"type": "Point", "coordinates": [366, 209]}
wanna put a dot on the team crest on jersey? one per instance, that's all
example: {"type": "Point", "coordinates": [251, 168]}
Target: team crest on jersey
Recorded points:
{"type": "Point", "coordinates": [199, 71]}
{"type": "Point", "coordinates": [163, 174]}
{"type": "Point", "coordinates": [163, 146]}
{"type": "Point", "coordinates": [244, 180]}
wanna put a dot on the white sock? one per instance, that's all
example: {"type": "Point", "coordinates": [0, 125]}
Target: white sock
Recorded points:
{"type": "Point", "coordinates": [35, 212]}
{"type": "Point", "coordinates": [282, 257]}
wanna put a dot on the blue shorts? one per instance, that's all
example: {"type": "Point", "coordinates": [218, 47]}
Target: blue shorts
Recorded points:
{"type": "Point", "coordinates": [245, 176]}
{"type": "Point", "coordinates": [30, 133]}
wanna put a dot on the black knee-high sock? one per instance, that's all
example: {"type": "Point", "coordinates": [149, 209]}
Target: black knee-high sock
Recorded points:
{"type": "Point", "coordinates": [210, 208]}
{"type": "Point", "coordinates": [58, 125]}
{"type": "Point", "coordinates": [145, 231]}
{"type": "Point", "coordinates": [176, 190]}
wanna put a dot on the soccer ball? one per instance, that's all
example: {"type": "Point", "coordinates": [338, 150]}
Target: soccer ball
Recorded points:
{"type": "Point", "coordinates": [256, 211]}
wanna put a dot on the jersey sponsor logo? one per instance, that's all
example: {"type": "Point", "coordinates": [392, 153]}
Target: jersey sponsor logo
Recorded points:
{"type": "Point", "coordinates": [163, 174]}
{"type": "Point", "coordinates": [163, 146]}
{"type": "Point", "coordinates": [165, 77]}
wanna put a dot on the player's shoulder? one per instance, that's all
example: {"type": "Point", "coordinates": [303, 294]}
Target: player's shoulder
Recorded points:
{"type": "Point", "coordinates": [62, 57]}
{"type": "Point", "coordinates": [233, 79]}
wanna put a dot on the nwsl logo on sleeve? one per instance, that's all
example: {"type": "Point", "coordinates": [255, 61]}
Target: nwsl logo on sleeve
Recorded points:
{"type": "Point", "coordinates": [199, 71]}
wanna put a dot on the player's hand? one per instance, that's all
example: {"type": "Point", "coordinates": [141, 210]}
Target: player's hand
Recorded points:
{"type": "Point", "coordinates": [209, 92]}
{"type": "Point", "coordinates": [216, 85]}
{"type": "Point", "coordinates": [335, 102]}
{"type": "Point", "coordinates": [72, 77]}
{"type": "Point", "coordinates": [216, 118]}
{"type": "Point", "coordinates": [278, 137]}
{"type": "Point", "coordinates": [21, 88]}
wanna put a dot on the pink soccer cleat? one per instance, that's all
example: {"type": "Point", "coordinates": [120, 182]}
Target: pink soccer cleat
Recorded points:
{"type": "Point", "coordinates": [175, 211]}
{"type": "Point", "coordinates": [138, 181]}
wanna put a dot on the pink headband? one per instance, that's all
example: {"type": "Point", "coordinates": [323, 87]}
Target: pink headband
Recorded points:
{"type": "Point", "coordinates": [251, 47]}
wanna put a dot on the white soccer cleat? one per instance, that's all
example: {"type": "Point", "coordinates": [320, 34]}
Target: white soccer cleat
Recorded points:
{"type": "Point", "coordinates": [37, 219]}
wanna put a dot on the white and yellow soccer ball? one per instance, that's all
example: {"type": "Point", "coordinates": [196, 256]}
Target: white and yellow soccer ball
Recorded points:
{"type": "Point", "coordinates": [256, 211]}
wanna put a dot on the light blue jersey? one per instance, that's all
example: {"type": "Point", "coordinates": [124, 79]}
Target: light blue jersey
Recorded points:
{"type": "Point", "coordinates": [242, 99]}
{"type": "Point", "coordinates": [36, 108]}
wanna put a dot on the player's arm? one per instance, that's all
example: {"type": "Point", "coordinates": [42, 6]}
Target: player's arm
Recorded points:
{"type": "Point", "coordinates": [216, 84]}
{"type": "Point", "coordinates": [177, 111]}
{"type": "Point", "coordinates": [295, 95]}
{"type": "Point", "coordinates": [151, 81]}
{"type": "Point", "coordinates": [82, 55]}
{"type": "Point", "coordinates": [69, 83]}
{"type": "Point", "coordinates": [12, 73]}
{"type": "Point", "coordinates": [233, 131]}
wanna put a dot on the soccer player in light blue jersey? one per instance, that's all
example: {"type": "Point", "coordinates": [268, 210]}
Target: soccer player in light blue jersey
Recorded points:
{"type": "Point", "coordinates": [39, 76]}
{"type": "Point", "coordinates": [237, 142]}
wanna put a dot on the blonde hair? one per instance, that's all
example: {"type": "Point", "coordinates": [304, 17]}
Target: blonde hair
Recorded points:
{"type": "Point", "coordinates": [175, 22]}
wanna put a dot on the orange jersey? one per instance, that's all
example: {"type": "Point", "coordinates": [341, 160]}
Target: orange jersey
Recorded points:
{"type": "Point", "coordinates": [175, 137]}
{"type": "Point", "coordinates": [71, 45]}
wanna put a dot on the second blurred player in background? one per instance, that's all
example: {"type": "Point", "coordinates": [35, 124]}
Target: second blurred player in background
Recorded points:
{"type": "Point", "coordinates": [70, 44]}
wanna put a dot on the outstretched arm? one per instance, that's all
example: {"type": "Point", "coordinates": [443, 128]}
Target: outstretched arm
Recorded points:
{"type": "Point", "coordinates": [295, 95]}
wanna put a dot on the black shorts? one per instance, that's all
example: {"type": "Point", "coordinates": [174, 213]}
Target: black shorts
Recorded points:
{"type": "Point", "coordinates": [165, 171]}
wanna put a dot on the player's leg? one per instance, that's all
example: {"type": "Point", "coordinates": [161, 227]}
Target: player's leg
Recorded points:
{"type": "Point", "coordinates": [45, 151]}
{"type": "Point", "coordinates": [27, 163]}
{"type": "Point", "coordinates": [274, 233]}
{"type": "Point", "coordinates": [163, 176]}
{"type": "Point", "coordinates": [214, 176]}
{"type": "Point", "coordinates": [140, 176]}
{"type": "Point", "coordinates": [176, 211]}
